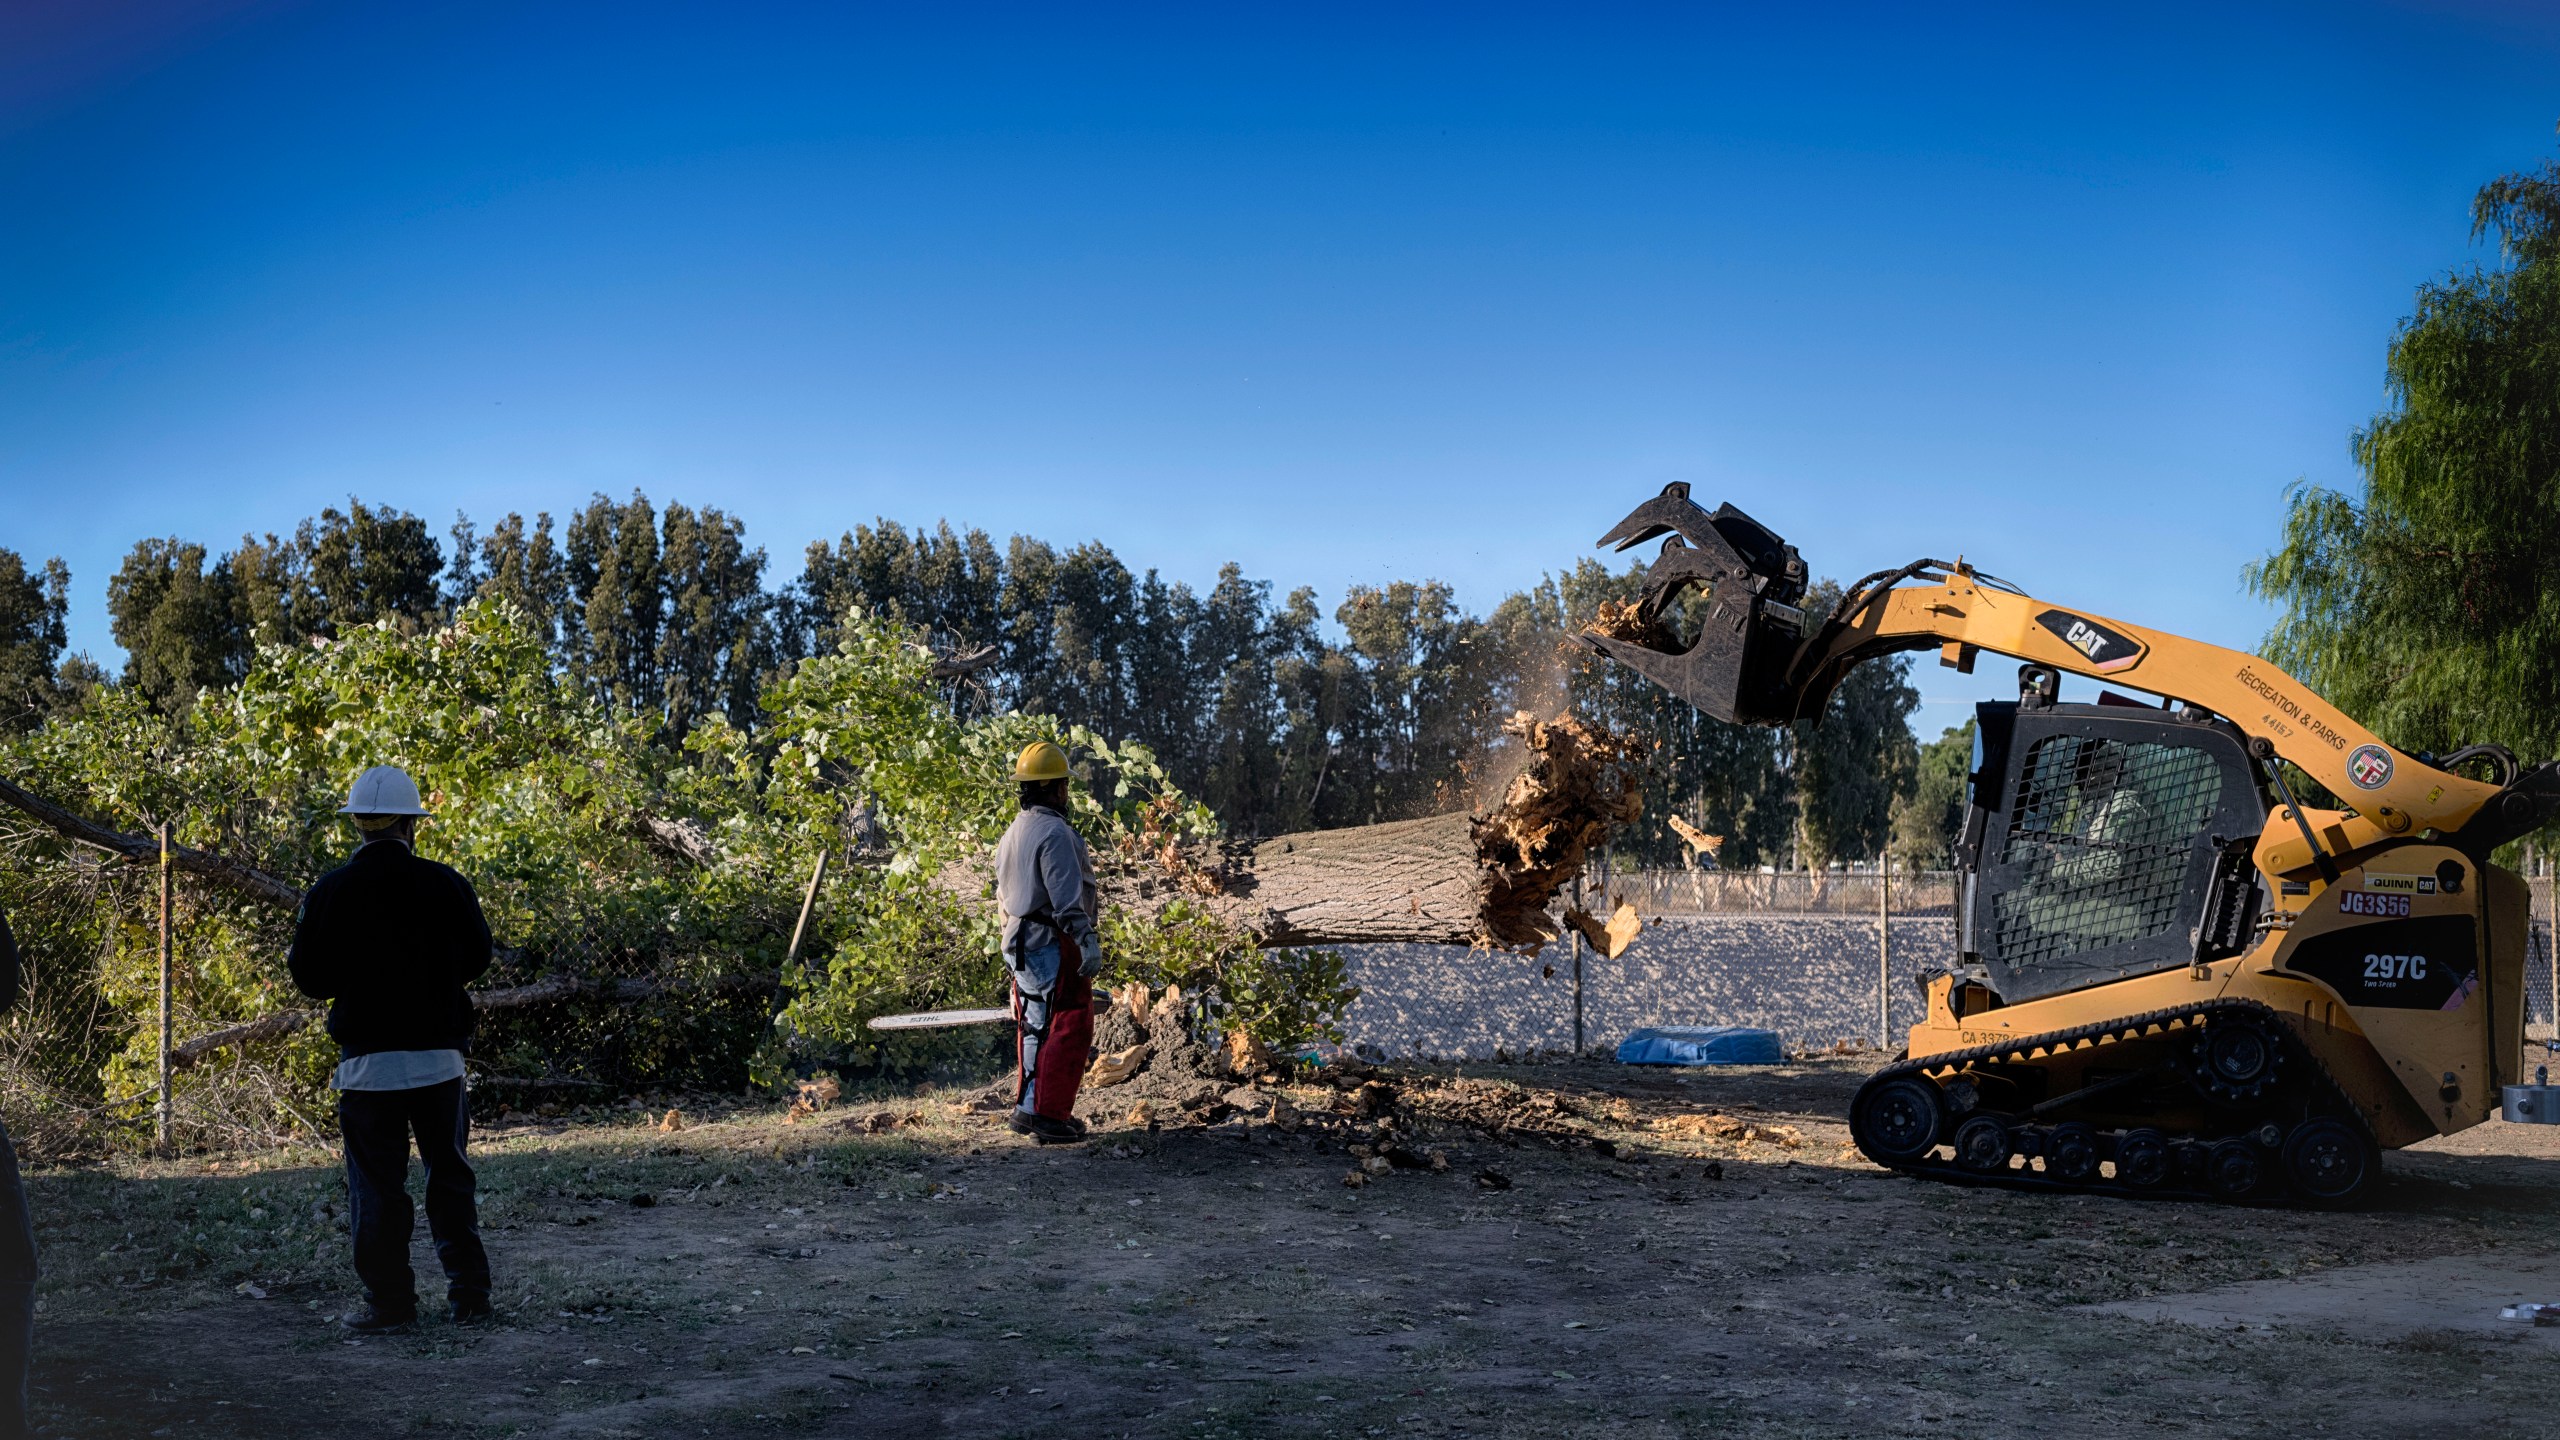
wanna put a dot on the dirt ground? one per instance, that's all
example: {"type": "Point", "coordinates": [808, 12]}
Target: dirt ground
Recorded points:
{"type": "Point", "coordinates": [1744, 1276]}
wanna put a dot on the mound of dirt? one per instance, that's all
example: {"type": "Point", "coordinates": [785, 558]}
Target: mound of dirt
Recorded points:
{"type": "Point", "coordinates": [1178, 1073]}
{"type": "Point", "coordinates": [1155, 1059]}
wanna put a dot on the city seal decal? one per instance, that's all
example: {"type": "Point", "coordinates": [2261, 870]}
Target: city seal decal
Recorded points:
{"type": "Point", "coordinates": [2369, 767]}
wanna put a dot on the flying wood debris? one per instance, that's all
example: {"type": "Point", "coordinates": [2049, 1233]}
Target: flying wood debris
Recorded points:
{"type": "Point", "coordinates": [1698, 841]}
{"type": "Point", "coordinates": [1613, 938]}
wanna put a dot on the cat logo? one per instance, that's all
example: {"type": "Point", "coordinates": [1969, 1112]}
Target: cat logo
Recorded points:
{"type": "Point", "coordinates": [2106, 650]}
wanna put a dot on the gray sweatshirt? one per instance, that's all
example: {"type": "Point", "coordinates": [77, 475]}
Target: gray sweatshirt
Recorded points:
{"type": "Point", "coordinates": [1043, 868]}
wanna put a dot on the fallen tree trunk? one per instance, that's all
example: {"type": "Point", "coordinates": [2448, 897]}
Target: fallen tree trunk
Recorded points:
{"type": "Point", "coordinates": [1485, 878]}
{"type": "Point", "coordinates": [1414, 881]}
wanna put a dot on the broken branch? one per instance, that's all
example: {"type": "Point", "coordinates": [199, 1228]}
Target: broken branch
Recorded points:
{"type": "Point", "coordinates": [512, 997]}
{"type": "Point", "coordinates": [232, 874]}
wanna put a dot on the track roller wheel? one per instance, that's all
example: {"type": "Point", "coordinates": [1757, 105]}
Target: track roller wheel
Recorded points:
{"type": "Point", "coordinates": [2071, 1153]}
{"type": "Point", "coordinates": [2142, 1158]}
{"type": "Point", "coordinates": [2187, 1161]}
{"type": "Point", "coordinates": [2329, 1161]}
{"type": "Point", "coordinates": [2235, 1169]}
{"type": "Point", "coordinates": [2237, 1061]}
{"type": "Point", "coordinates": [1898, 1120]}
{"type": "Point", "coordinates": [1982, 1145]}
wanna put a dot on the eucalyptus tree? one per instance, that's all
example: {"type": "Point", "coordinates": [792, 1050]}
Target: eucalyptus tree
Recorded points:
{"type": "Point", "coordinates": [34, 602]}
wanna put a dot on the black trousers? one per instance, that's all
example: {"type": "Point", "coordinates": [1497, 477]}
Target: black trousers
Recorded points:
{"type": "Point", "coordinates": [17, 1293]}
{"type": "Point", "coordinates": [376, 1125]}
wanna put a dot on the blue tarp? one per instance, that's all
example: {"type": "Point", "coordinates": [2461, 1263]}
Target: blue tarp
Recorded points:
{"type": "Point", "coordinates": [1701, 1045]}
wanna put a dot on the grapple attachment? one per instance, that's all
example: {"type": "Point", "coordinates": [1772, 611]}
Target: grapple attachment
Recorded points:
{"type": "Point", "coordinates": [1749, 629]}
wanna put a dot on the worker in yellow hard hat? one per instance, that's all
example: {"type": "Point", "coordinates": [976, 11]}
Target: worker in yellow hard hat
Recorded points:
{"type": "Point", "coordinates": [1045, 891]}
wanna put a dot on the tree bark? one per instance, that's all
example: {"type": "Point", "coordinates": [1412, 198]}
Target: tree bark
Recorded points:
{"type": "Point", "coordinates": [1410, 881]}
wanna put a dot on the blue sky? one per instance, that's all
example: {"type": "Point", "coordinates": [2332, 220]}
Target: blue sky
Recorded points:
{"type": "Point", "coordinates": [1344, 294]}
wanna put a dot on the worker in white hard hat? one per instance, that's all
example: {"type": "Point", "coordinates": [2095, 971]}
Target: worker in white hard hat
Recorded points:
{"type": "Point", "coordinates": [1045, 889]}
{"type": "Point", "coordinates": [390, 939]}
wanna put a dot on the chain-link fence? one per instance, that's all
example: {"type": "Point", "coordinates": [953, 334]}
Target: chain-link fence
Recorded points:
{"type": "Point", "coordinates": [606, 1003]}
{"type": "Point", "coordinates": [1826, 960]}
{"type": "Point", "coordinates": [1789, 892]}
{"type": "Point", "coordinates": [2541, 984]}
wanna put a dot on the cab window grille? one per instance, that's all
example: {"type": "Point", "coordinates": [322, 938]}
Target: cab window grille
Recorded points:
{"type": "Point", "coordinates": [2102, 832]}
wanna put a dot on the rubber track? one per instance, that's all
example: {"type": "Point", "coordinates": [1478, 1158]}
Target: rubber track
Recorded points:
{"type": "Point", "coordinates": [2130, 1027]}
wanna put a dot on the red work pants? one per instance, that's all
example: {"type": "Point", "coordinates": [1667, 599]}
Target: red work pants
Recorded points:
{"type": "Point", "coordinates": [1054, 1035]}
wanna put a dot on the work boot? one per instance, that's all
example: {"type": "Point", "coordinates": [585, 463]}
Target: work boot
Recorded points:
{"type": "Point", "coordinates": [374, 1320]}
{"type": "Point", "coordinates": [1044, 1130]}
{"type": "Point", "coordinates": [470, 1309]}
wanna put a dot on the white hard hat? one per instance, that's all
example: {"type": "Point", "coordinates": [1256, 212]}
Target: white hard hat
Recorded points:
{"type": "Point", "coordinates": [383, 790]}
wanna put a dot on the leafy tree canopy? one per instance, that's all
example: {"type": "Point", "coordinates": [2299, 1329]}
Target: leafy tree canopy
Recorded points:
{"type": "Point", "coordinates": [2427, 604]}
{"type": "Point", "coordinates": [33, 605]}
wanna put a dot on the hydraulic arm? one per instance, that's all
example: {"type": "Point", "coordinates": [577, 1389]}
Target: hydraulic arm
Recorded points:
{"type": "Point", "coordinates": [1758, 657]}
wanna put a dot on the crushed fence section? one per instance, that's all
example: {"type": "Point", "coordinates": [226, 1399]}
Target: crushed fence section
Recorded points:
{"type": "Point", "coordinates": [605, 1004]}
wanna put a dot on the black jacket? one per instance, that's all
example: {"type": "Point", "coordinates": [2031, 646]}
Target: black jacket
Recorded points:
{"type": "Point", "coordinates": [389, 939]}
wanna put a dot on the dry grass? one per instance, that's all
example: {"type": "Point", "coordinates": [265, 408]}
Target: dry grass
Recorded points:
{"type": "Point", "coordinates": [808, 1279]}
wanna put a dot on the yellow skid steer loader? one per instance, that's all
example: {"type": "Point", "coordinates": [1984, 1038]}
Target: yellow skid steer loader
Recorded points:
{"type": "Point", "coordinates": [2173, 978]}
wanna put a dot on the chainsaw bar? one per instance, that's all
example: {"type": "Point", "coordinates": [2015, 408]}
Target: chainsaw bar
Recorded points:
{"type": "Point", "coordinates": [939, 1019]}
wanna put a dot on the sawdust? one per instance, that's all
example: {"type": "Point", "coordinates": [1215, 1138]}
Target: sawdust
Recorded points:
{"type": "Point", "coordinates": [1736, 1131]}
{"type": "Point", "coordinates": [1501, 1111]}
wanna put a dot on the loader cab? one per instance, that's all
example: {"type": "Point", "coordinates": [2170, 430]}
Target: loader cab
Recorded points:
{"type": "Point", "coordinates": [2103, 842]}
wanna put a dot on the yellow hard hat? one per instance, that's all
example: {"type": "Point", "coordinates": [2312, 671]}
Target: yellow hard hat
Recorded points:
{"type": "Point", "coordinates": [1041, 760]}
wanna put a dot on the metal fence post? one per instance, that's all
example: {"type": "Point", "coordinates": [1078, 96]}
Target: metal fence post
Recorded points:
{"type": "Point", "coordinates": [1573, 941]}
{"type": "Point", "coordinates": [160, 1118]}
{"type": "Point", "coordinates": [2551, 882]}
{"type": "Point", "coordinates": [1884, 950]}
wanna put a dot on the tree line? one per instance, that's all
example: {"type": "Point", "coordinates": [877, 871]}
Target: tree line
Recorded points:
{"type": "Point", "coordinates": [1248, 698]}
